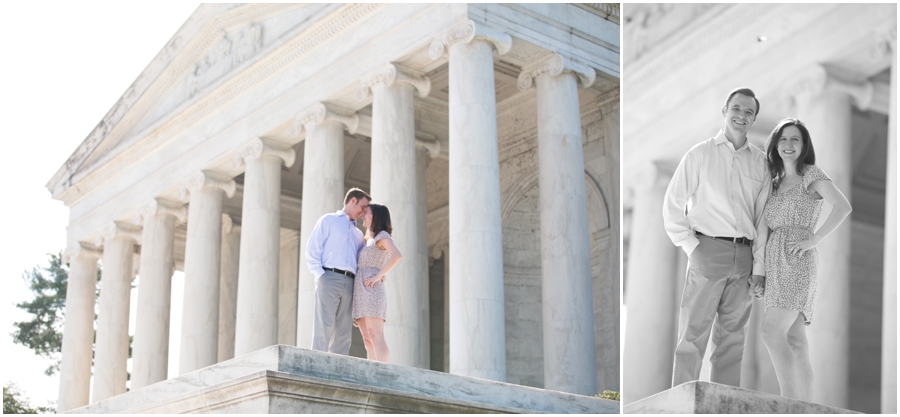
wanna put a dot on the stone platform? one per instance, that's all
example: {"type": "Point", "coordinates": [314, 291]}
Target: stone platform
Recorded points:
{"type": "Point", "coordinates": [701, 397]}
{"type": "Point", "coordinates": [287, 379]}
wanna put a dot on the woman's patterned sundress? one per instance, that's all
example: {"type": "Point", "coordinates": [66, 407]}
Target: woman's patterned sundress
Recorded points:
{"type": "Point", "coordinates": [791, 280]}
{"type": "Point", "coordinates": [370, 301]}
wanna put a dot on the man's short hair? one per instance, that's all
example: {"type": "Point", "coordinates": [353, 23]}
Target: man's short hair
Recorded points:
{"type": "Point", "coordinates": [745, 91]}
{"type": "Point", "coordinates": [356, 193]}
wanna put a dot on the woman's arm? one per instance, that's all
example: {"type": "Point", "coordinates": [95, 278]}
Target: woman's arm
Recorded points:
{"type": "Point", "coordinates": [388, 245]}
{"type": "Point", "coordinates": [841, 210]}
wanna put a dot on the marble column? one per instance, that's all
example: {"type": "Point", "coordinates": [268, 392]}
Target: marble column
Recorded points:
{"type": "Point", "coordinates": [111, 355]}
{"type": "Point", "coordinates": [289, 263]}
{"type": "Point", "coordinates": [393, 183]}
{"type": "Point", "coordinates": [567, 304]}
{"type": "Point", "coordinates": [824, 103]}
{"type": "Point", "coordinates": [323, 192]}
{"type": "Point", "coordinates": [889, 304]}
{"type": "Point", "coordinates": [425, 152]}
{"type": "Point", "coordinates": [256, 325]}
{"type": "Point", "coordinates": [650, 290]}
{"type": "Point", "coordinates": [78, 329]}
{"type": "Point", "coordinates": [150, 351]}
{"type": "Point", "coordinates": [228, 286]}
{"type": "Point", "coordinates": [202, 260]}
{"type": "Point", "coordinates": [477, 330]}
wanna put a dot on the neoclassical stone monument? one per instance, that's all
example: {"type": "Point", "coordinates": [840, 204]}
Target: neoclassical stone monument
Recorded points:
{"type": "Point", "coordinates": [491, 131]}
{"type": "Point", "coordinates": [834, 67]}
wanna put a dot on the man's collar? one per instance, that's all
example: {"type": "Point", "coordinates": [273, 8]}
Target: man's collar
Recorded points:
{"type": "Point", "coordinates": [720, 139]}
{"type": "Point", "coordinates": [342, 214]}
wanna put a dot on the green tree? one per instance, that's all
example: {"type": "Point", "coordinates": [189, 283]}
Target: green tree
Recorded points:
{"type": "Point", "coordinates": [43, 332]}
{"type": "Point", "coordinates": [14, 402]}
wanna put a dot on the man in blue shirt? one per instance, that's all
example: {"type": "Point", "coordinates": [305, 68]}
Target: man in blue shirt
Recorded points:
{"type": "Point", "coordinates": [331, 256]}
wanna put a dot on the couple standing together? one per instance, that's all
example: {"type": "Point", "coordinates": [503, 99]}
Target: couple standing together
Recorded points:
{"type": "Point", "coordinates": [350, 271]}
{"type": "Point", "coordinates": [749, 230]}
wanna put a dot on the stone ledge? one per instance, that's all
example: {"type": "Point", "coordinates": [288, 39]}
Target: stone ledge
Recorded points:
{"type": "Point", "coordinates": [701, 397]}
{"type": "Point", "coordinates": [282, 379]}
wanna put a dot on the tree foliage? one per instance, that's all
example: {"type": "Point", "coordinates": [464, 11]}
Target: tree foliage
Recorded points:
{"type": "Point", "coordinates": [14, 402]}
{"type": "Point", "coordinates": [43, 332]}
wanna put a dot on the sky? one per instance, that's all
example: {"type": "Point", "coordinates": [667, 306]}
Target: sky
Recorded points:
{"type": "Point", "coordinates": [65, 65]}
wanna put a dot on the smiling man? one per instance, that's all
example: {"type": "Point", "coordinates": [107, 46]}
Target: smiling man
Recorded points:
{"type": "Point", "coordinates": [725, 181]}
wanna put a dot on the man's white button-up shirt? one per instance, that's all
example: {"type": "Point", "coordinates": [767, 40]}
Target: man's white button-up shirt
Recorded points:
{"type": "Point", "coordinates": [334, 243]}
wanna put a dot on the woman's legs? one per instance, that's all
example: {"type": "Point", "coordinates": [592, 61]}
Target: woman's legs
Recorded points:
{"type": "Point", "coordinates": [796, 339]}
{"type": "Point", "coordinates": [375, 329]}
{"type": "Point", "coordinates": [370, 350]}
{"type": "Point", "coordinates": [776, 324]}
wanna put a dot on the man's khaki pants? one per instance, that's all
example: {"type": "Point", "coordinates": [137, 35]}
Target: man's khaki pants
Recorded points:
{"type": "Point", "coordinates": [716, 289]}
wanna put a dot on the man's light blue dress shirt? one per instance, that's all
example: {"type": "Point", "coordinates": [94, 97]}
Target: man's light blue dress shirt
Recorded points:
{"type": "Point", "coordinates": [334, 243]}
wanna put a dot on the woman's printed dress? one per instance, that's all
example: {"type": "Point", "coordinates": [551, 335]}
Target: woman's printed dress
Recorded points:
{"type": "Point", "coordinates": [370, 301]}
{"type": "Point", "coordinates": [791, 280]}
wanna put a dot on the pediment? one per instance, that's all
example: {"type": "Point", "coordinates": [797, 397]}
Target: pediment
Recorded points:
{"type": "Point", "coordinates": [216, 42]}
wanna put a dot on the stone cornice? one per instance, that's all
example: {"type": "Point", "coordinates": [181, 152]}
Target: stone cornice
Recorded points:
{"type": "Point", "coordinates": [81, 249]}
{"type": "Point", "coordinates": [816, 80]}
{"type": "Point", "coordinates": [467, 31]}
{"type": "Point", "coordinates": [162, 206]}
{"type": "Point", "coordinates": [259, 147]}
{"type": "Point", "coordinates": [118, 229]}
{"type": "Point", "coordinates": [320, 113]}
{"type": "Point", "coordinates": [336, 23]}
{"type": "Point", "coordinates": [555, 64]}
{"type": "Point", "coordinates": [394, 73]}
{"type": "Point", "coordinates": [207, 178]}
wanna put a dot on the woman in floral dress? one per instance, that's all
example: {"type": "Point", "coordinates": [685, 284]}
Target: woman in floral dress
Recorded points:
{"type": "Point", "coordinates": [369, 298]}
{"type": "Point", "coordinates": [799, 188]}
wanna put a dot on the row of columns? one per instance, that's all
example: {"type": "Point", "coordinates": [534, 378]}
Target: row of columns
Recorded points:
{"type": "Point", "coordinates": [215, 248]}
{"type": "Point", "coordinates": [824, 102]}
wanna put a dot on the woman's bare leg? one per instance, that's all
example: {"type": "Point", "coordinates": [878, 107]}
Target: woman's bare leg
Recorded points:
{"type": "Point", "coordinates": [375, 328]}
{"type": "Point", "coordinates": [370, 350]}
{"type": "Point", "coordinates": [776, 323]}
{"type": "Point", "coordinates": [796, 338]}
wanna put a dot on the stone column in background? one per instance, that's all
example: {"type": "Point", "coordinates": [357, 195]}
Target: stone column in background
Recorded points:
{"type": "Point", "coordinates": [393, 184]}
{"type": "Point", "coordinates": [323, 192]}
{"type": "Point", "coordinates": [78, 329]}
{"type": "Point", "coordinates": [228, 286]}
{"type": "Point", "coordinates": [824, 103]}
{"type": "Point", "coordinates": [446, 252]}
{"type": "Point", "coordinates": [150, 351]}
{"type": "Point", "coordinates": [111, 355]}
{"type": "Point", "coordinates": [568, 312]}
{"type": "Point", "coordinates": [425, 152]}
{"type": "Point", "coordinates": [256, 325]}
{"type": "Point", "coordinates": [289, 262]}
{"type": "Point", "coordinates": [478, 338]}
{"type": "Point", "coordinates": [202, 260]}
{"type": "Point", "coordinates": [650, 290]}
{"type": "Point", "coordinates": [889, 309]}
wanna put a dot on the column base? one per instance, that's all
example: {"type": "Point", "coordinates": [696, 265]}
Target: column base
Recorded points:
{"type": "Point", "coordinates": [701, 397]}
{"type": "Point", "coordinates": [287, 379]}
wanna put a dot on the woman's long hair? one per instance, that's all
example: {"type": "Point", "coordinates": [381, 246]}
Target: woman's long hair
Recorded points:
{"type": "Point", "coordinates": [773, 160]}
{"type": "Point", "coordinates": [381, 220]}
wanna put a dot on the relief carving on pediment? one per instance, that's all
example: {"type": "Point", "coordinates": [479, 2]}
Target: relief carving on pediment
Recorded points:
{"type": "Point", "coordinates": [231, 50]}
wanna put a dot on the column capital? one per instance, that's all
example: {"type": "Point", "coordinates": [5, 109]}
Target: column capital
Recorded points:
{"type": "Point", "coordinates": [164, 206]}
{"type": "Point", "coordinates": [258, 147]}
{"type": "Point", "coordinates": [206, 178]}
{"type": "Point", "coordinates": [816, 80]}
{"type": "Point", "coordinates": [79, 249]}
{"type": "Point", "coordinates": [394, 73]}
{"type": "Point", "coordinates": [432, 145]}
{"type": "Point", "coordinates": [467, 31]}
{"type": "Point", "coordinates": [555, 64]}
{"type": "Point", "coordinates": [321, 113]}
{"type": "Point", "coordinates": [228, 225]}
{"type": "Point", "coordinates": [118, 229]}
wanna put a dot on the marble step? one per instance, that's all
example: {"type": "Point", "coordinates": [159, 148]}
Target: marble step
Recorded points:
{"type": "Point", "coordinates": [702, 397]}
{"type": "Point", "coordinates": [287, 379]}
